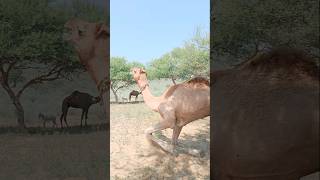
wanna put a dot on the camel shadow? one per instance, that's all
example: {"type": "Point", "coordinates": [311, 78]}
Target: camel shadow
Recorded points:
{"type": "Point", "coordinates": [198, 142]}
{"type": "Point", "coordinates": [54, 131]}
{"type": "Point", "coordinates": [175, 166]}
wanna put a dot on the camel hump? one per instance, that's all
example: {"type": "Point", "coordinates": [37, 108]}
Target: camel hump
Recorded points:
{"type": "Point", "coordinates": [75, 92]}
{"type": "Point", "coordinates": [285, 60]}
{"type": "Point", "coordinates": [198, 81]}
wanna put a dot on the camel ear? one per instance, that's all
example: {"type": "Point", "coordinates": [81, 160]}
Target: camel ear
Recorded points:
{"type": "Point", "coordinates": [102, 29]}
{"type": "Point", "coordinates": [142, 70]}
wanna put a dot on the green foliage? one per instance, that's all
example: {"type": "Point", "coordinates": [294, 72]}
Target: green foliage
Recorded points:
{"type": "Point", "coordinates": [120, 74]}
{"type": "Point", "coordinates": [31, 32]}
{"type": "Point", "coordinates": [241, 28]}
{"type": "Point", "coordinates": [182, 62]}
{"type": "Point", "coordinates": [85, 9]}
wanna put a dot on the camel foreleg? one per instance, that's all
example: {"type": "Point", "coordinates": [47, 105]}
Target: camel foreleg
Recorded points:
{"type": "Point", "coordinates": [158, 127]}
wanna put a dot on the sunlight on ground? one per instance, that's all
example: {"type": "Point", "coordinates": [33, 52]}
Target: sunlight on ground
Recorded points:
{"type": "Point", "coordinates": [132, 156]}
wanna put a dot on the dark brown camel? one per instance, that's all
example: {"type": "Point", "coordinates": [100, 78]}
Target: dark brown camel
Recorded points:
{"type": "Point", "coordinates": [78, 100]}
{"type": "Point", "coordinates": [134, 93]}
{"type": "Point", "coordinates": [266, 118]}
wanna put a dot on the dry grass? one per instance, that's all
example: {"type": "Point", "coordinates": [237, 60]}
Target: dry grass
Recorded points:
{"type": "Point", "coordinates": [133, 158]}
{"type": "Point", "coordinates": [55, 156]}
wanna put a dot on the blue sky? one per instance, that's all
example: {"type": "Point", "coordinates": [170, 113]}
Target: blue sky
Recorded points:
{"type": "Point", "coordinates": [142, 30]}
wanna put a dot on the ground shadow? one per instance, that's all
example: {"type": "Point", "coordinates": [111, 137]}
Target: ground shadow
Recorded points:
{"type": "Point", "coordinates": [168, 166]}
{"type": "Point", "coordinates": [50, 131]}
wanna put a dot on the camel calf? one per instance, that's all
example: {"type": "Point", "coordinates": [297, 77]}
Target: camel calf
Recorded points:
{"type": "Point", "coordinates": [47, 118]}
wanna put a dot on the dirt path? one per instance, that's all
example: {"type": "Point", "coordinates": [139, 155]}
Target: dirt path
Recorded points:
{"type": "Point", "coordinates": [132, 157]}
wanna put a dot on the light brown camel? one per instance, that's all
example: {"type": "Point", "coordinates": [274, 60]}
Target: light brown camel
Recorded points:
{"type": "Point", "coordinates": [266, 118]}
{"type": "Point", "coordinates": [179, 105]}
{"type": "Point", "coordinates": [91, 42]}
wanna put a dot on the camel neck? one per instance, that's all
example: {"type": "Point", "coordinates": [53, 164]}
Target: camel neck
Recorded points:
{"type": "Point", "coordinates": [97, 68]}
{"type": "Point", "coordinates": [150, 100]}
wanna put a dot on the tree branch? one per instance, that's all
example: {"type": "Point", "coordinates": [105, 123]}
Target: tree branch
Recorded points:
{"type": "Point", "coordinates": [53, 74]}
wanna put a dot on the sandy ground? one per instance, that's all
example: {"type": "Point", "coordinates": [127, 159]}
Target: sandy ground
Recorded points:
{"type": "Point", "coordinates": [132, 157]}
{"type": "Point", "coordinates": [49, 154]}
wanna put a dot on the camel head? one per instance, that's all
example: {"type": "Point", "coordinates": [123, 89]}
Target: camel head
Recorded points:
{"type": "Point", "coordinates": [140, 76]}
{"type": "Point", "coordinates": [96, 99]}
{"type": "Point", "coordinates": [88, 39]}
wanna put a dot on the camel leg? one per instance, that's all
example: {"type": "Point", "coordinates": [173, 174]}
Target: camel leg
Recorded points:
{"type": "Point", "coordinates": [136, 98]}
{"type": "Point", "coordinates": [158, 127]}
{"type": "Point", "coordinates": [65, 117]}
{"type": "Point", "coordinates": [82, 114]}
{"type": "Point", "coordinates": [86, 113]}
{"type": "Point", "coordinates": [61, 117]}
{"type": "Point", "coordinates": [175, 135]}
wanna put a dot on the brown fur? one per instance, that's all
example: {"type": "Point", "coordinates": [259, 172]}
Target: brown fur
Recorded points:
{"type": "Point", "coordinates": [266, 118]}
{"type": "Point", "coordinates": [288, 62]}
{"type": "Point", "coordinates": [198, 81]}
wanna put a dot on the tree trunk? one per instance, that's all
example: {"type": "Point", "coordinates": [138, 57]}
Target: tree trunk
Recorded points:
{"type": "Point", "coordinates": [115, 94]}
{"type": "Point", "coordinates": [19, 112]}
{"type": "Point", "coordinates": [173, 80]}
{"type": "Point", "coordinates": [17, 104]}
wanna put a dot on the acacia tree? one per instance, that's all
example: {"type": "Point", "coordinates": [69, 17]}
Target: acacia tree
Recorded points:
{"type": "Point", "coordinates": [192, 59]}
{"type": "Point", "coordinates": [120, 75]}
{"type": "Point", "coordinates": [31, 43]}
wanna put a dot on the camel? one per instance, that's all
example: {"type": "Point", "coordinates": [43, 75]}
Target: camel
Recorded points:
{"type": "Point", "coordinates": [124, 99]}
{"type": "Point", "coordinates": [266, 118]}
{"type": "Point", "coordinates": [134, 93]}
{"type": "Point", "coordinates": [47, 118]}
{"type": "Point", "coordinates": [91, 42]}
{"type": "Point", "coordinates": [78, 100]}
{"type": "Point", "coordinates": [179, 105]}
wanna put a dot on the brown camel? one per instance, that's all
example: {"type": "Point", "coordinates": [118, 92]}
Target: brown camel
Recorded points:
{"type": "Point", "coordinates": [134, 93]}
{"type": "Point", "coordinates": [78, 100]}
{"type": "Point", "coordinates": [91, 42]}
{"type": "Point", "coordinates": [179, 105]}
{"type": "Point", "coordinates": [266, 118]}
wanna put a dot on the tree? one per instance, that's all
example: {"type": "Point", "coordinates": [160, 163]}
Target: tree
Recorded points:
{"type": "Point", "coordinates": [243, 28]}
{"type": "Point", "coordinates": [120, 75]}
{"type": "Point", "coordinates": [164, 67]}
{"type": "Point", "coordinates": [183, 62]}
{"type": "Point", "coordinates": [31, 42]}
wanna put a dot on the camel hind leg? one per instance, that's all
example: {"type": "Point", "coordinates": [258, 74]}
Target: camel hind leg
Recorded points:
{"type": "Point", "coordinates": [175, 135]}
{"type": "Point", "coordinates": [64, 115]}
{"type": "Point", "coordinates": [82, 114]}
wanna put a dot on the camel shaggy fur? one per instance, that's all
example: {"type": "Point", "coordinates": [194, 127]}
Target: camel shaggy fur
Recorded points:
{"type": "Point", "coordinates": [179, 105]}
{"type": "Point", "coordinates": [266, 118]}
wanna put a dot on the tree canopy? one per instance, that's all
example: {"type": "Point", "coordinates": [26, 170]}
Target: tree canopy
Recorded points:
{"type": "Point", "coordinates": [242, 28]}
{"type": "Point", "coordinates": [192, 59]}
